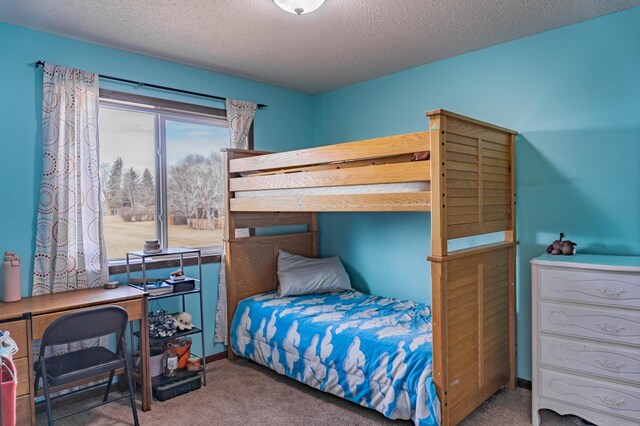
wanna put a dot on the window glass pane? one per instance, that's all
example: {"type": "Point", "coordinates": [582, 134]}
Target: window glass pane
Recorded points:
{"type": "Point", "coordinates": [195, 181]}
{"type": "Point", "coordinates": [127, 177]}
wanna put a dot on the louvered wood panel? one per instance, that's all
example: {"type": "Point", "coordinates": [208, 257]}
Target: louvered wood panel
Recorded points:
{"type": "Point", "coordinates": [479, 317]}
{"type": "Point", "coordinates": [477, 170]}
{"type": "Point", "coordinates": [456, 165]}
{"type": "Point", "coordinates": [462, 331]}
{"type": "Point", "coordinates": [477, 131]}
{"type": "Point", "coordinates": [496, 283]}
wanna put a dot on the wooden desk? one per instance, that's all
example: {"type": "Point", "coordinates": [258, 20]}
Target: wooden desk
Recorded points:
{"type": "Point", "coordinates": [27, 319]}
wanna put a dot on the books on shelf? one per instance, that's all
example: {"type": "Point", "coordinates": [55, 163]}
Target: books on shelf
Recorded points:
{"type": "Point", "coordinates": [156, 289]}
{"type": "Point", "coordinates": [172, 280]}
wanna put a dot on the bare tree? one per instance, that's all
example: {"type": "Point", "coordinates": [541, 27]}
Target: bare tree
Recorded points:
{"type": "Point", "coordinates": [105, 169]}
{"type": "Point", "coordinates": [195, 187]}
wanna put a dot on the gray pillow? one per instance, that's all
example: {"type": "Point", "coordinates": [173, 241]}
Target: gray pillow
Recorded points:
{"type": "Point", "coordinates": [303, 275]}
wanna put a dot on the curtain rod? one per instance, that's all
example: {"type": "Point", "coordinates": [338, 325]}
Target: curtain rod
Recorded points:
{"type": "Point", "coordinates": [155, 86]}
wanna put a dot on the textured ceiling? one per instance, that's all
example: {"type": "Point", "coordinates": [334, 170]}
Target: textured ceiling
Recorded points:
{"type": "Point", "coordinates": [343, 42]}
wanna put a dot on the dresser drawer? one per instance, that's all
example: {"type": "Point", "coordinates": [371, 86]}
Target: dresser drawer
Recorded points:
{"type": "Point", "coordinates": [597, 417]}
{"type": "Point", "coordinates": [600, 287]}
{"type": "Point", "coordinates": [23, 410]}
{"type": "Point", "coordinates": [22, 367]}
{"type": "Point", "coordinates": [611, 361]}
{"type": "Point", "coordinates": [18, 332]}
{"type": "Point", "coordinates": [39, 323]}
{"type": "Point", "coordinates": [613, 398]}
{"type": "Point", "coordinates": [611, 325]}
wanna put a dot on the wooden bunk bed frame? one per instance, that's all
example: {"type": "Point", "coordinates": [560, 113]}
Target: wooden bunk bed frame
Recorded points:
{"type": "Point", "coordinates": [471, 172]}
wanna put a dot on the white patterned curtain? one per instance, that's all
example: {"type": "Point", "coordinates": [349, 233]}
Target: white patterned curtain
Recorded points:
{"type": "Point", "coordinates": [70, 251]}
{"type": "Point", "coordinates": [240, 116]}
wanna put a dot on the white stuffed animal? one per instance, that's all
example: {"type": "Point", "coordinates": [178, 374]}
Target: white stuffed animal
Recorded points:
{"type": "Point", "coordinates": [183, 321]}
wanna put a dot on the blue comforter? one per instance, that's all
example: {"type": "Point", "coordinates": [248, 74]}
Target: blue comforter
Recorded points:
{"type": "Point", "coordinates": [370, 350]}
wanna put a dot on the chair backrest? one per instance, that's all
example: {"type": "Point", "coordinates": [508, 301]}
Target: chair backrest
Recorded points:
{"type": "Point", "coordinates": [85, 324]}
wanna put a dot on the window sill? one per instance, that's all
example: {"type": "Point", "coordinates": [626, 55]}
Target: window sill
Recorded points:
{"type": "Point", "coordinates": [119, 266]}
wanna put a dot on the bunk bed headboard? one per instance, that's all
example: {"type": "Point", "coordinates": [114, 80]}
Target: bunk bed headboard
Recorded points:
{"type": "Point", "coordinates": [473, 290]}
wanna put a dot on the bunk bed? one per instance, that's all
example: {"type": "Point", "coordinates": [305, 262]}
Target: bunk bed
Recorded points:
{"type": "Point", "coordinates": [461, 170]}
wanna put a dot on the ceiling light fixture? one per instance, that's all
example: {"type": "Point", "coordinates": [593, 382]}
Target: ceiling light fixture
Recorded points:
{"type": "Point", "coordinates": [299, 7]}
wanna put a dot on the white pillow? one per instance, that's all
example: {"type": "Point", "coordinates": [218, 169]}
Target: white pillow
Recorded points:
{"type": "Point", "coordinates": [303, 275]}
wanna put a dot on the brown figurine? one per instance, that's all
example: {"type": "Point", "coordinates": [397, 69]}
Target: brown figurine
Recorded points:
{"type": "Point", "coordinates": [562, 247]}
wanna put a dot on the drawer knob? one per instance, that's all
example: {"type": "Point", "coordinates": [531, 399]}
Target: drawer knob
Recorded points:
{"type": "Point", "coordinates": [610, 364]}
{"type": "Point", "coordinates": [606, 291]}
{"type": "Point", "coordinates": [610, 329]}
{"type": "Point", "coordinates": [611, 402]}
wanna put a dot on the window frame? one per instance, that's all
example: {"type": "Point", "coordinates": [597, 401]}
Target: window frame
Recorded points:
{"type": "Point", "coordinates": [163, 110]}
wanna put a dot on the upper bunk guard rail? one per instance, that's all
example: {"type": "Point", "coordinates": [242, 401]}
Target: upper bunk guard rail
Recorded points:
{"type": "Point", "coordinates": [381, 174]}
{"type": "Point", "coordinates": [351, 151]}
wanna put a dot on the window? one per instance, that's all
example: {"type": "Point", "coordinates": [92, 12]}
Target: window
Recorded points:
{"type": "Point", "coordinates": [161, 173]}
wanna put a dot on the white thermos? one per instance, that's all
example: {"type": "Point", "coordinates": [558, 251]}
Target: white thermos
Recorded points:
{"type": "Point", "coordinates": [10, 277]}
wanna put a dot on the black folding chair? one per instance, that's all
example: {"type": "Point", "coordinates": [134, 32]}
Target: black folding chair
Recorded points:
{"type": "Point", "coordinates": [56, 370]}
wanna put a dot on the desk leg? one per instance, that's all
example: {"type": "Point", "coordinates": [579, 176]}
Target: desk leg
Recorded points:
{"type": "Point", "coordinates": [145, 374]}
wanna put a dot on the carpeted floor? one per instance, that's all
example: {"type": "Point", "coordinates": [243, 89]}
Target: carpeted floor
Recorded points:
{"type": "Point", "coordinates": [243, 393]}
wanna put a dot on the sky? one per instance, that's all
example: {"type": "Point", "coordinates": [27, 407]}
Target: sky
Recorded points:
{"type": "Point", "coordinates": [130, 135]}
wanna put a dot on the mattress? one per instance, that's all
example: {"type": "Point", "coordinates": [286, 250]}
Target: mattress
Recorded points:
{"type": "Point", "coordinates": [378, 188]}
{"type": "Point", "coordinates": [371, 350]}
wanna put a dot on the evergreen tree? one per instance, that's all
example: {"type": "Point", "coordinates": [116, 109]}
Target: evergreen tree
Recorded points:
{"type": "Point", "coordinates": [147, 190]}
{"type": "Point", "coordinates": [113, 193]}
{"type": "Point", "coordinates": [131, 188]}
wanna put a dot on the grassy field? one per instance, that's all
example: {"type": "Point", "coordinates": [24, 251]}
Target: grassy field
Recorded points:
{"type": "Point", "coordinates": [121, 236]}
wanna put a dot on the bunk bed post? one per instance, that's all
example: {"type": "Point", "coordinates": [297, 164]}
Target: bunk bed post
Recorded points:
{"type": "Point", "coordinates": [437, 137]}
{"type": "Point", "coordinates": [313, 227]}
{"type": "Point", "coordinates": [229, 233]}
{"type": "Point", "coordinates": [510, 235]}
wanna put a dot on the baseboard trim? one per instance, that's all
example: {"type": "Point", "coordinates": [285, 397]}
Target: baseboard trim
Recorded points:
{"type": "Point", "coordinates": [522, 383]}
{"type": "Point", "coordinates": [215, 357]}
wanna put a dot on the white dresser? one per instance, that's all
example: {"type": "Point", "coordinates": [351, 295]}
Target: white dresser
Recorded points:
{"type": "Point", "coordinates": [586, 337]}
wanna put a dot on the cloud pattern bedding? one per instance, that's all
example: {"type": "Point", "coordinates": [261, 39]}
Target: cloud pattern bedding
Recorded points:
{"type": "Point", "coordinates": [370, 350]}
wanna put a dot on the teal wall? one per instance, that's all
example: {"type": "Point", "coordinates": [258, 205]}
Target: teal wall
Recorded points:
{"type": "Point", "coordinates": [282, 126]}
{"type": "Point", "coordinates": [572, 93]}
{"type": "Point", "coordinates": [574, 96]}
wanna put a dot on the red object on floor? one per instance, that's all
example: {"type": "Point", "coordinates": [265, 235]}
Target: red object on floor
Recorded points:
{"type": "Point", "coordinates": [9, 384]}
